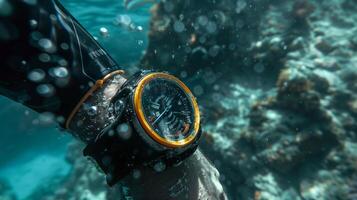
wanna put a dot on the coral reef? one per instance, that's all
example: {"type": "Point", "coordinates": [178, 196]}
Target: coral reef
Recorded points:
{"type": "Point", "coordinates": [279, 82]}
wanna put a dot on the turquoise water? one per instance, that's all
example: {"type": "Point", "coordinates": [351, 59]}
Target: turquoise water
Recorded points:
{"type": "Point", "coordinates": [276, 82]}
{"type": "Point", "coordinates": [32, 153]}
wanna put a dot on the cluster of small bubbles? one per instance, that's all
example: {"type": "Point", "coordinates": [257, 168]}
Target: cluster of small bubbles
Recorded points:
{"type": "Point", "coordinates": [124, 131]}
{"type": "Point", "coordinates": [179, 27]}
{"type": "Point", "coordinates": [198, 90]}
{"type": "Point", "coordinates": [160, 166]}
{"type": "Point", "coordinates": [47, 45]}
{"type": "Point", "coordinates": [33, 23]}
{"type": "Point", "coordinates": [140, 42]}
{"type": "Point", "coordinates": [36, 75]}
{"type": "Point", "coordinates": [104, 32]}
{"type": "Point", "coordinates": [5, 8]}
{"type": "Point", "coordinates": [44, 57]}
{"type": "Point", "coordinates": [214, 50]}
{"type": "Point", "coordinates": [259, 68]}
{"type": "Point", "coordinates": [240, 6]}
{"type": "Point", "coordinates": [46, 90]}
{"type": "Point", "coordinates": [47, 118]}
{"type": "Point", "coordinates": [136, 174]}
{"type": "Point", "coordinates": [59, 72]}
{"type": "Point", "coordinates": [64, 46]}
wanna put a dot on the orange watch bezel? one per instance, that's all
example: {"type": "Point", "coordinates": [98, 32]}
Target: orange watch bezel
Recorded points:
{"type": "Point", "coordinates": [138, 107]}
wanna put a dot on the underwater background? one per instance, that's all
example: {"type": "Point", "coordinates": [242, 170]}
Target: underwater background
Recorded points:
{"type": "Point", "coordinates": [276, 81]}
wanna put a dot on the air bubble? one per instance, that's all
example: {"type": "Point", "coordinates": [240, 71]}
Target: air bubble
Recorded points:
{"type": "Point", "coordinates": [64, 46]}
{"type": "Point", "coordinates": [179, 27]}
{"type": "Point", "coordinates": [136, 174]}
{"type": "Point", "coordinates": [92, 110]}
{"type": "Point", "coordinates": [124, 20]}
{"type": "Point", "coordinates": [140, 42]}
{"type": "Point", "coordinates": [213, 51]}
{"type": "Point", "coordinates": [60, 72]}
{"type": "Point", "coordinates": [47, 45]}
{"type": "Point", "coordinates": [211, 27]}
{"type": "Point", "coordinates": [33, 23]}
{"type": "Point", "coordinates": [198, 90]}
{"type": "Point", "coordinates": [139, 28]}
{"type": "Point", "coordinates": [44, 57]}
{"type": "Point", "coordinates": [183, 74]}
{"type": "Point", "coordinates": [259, 68]}
{"type": "Point", "coordinates": [202, 20]}
{"type": "Point", "coordinates": [31, 2]}
{"type": "Point", "coordinates": [168, 6]}
{"type": "Point", "coordinates": [124, 131]}
{"type": "Point", "coordinates": [104, 32]}
{"type": "Point", "coordinates": [36, 75]}
{"type": "Point", "coordinates": [241, 4]}
{"type": "Point", "coordinates": [47, 118]}
{"type": "Point", "coordinates": [159, 167]}
{"type": "Point", "coordinates": [63, 62]}
{"type": "Point", "coordinates": [45, 90]}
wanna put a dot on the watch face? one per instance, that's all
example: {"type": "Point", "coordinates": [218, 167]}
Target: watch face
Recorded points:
{"type": "Point", "coordinates": [169, 110]}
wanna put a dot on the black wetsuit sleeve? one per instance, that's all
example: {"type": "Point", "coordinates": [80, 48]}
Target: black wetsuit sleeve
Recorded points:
{"type": "Point", "coordinates": [48, 61]}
